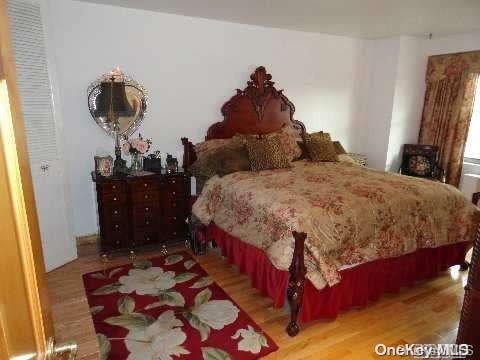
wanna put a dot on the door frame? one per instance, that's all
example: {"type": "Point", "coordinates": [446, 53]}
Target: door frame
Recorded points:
{"type": "Point", "coordinates": [26, 325]}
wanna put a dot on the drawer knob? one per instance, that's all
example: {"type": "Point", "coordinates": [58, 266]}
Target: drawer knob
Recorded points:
{"type": "Point", "coordinates": [147, 222]}
{"type": "Point", "coordinates": [146, 196]}
{"type": "Point", "coordinates": [133, 243]}
{"type": "Point", "coordinates": [115, 212]}
{"type": "Point", "coordinates": [173, 181]}
{"type": "Point", "coordinates": [174, 233]}
{"type": "Point", "coordinates": [174, 218]}
{"type": "Point", "coordinates": [117, 226]}
{"type": "Point", "coordinates": [147, 209]}
{"type": "Point", "coordinates": [114, 199]}
{"type": "Point", "coordinates": [145, 184]}
{"type": "Point", "coordinates": [117, 242]}
{"type": "Point", "coordinates": [114, 187]}
{"type": "Point", "coordinates": [173, 192]}
{"type": "Point", "coordinates": [147, 238]}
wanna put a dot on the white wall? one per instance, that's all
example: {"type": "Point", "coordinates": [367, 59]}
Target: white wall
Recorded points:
{"type": "Point", "coordinates": [377, 92]}
{"type": "Point", "coordinates": [452, 44]}
{"type": "Point", "coordinates": [191, 67]}
{"type": "Point", "coordinates": [408, 99]}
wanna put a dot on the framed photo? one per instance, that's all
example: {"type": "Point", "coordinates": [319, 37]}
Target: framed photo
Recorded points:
{"type": "Point", "coordinates": [104, 165]}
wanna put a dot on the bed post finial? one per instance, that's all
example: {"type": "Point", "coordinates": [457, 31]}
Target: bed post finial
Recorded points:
{"type": "Point", "coordinates": [297, 281]}
{"type": "Point", "coordinates": [189, 155]}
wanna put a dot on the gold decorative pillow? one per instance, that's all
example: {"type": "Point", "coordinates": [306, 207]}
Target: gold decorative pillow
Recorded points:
{"type": "Point", "coordinates": [231, 159]}
{"type": "Point", "coordinates": [223, 160]}
{"type": "Point", "coordinates": [266, 153]}
{"type": "Point", "coordinates": [287, 137]}
{"type": "Point", "coordinates": [320, 147]}
{"type": "Point", "coordinates": [206, 147]}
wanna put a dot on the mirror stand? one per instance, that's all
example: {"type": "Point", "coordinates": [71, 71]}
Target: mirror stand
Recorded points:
{"type": "Point", "coordinates": [119, 165]}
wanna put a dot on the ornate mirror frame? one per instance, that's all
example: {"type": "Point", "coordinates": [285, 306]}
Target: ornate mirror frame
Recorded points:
{"type": "Point", "coordinates": [94, 90]}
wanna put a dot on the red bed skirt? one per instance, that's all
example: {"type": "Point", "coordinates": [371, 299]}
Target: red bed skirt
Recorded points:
{"type": "Point", "coordinates": [359, 285]}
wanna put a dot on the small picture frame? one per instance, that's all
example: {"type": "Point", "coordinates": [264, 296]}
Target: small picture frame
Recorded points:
{"type": "Point", "coordinates": [104, 165]}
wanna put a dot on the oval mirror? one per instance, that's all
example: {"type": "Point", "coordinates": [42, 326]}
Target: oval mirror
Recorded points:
{"type": "Point", "coordinates": [130, 107]}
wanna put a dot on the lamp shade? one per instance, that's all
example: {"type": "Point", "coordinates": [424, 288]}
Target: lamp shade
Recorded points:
{"type": "Point", "coordinates": [112, 96]}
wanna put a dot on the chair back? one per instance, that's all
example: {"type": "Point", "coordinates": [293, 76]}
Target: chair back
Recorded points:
{"type": "Point", "coordinates": [420, 160]}
{"type": "Point", "coordinates": [476, 198]}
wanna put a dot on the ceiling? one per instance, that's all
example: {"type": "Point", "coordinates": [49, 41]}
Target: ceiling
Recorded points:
{"type": "Point", "coordinates": [356, 18]}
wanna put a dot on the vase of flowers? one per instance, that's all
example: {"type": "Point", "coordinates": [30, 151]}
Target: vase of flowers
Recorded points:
{"type": "Point", "coordinates": [136, 148]}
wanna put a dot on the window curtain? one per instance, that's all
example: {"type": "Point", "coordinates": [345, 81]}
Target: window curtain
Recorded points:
{"type": "Point", "coordinates": [449, 99]}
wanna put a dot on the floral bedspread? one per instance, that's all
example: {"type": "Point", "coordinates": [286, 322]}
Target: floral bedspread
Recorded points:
{"type": "Point", "coordinates": [351, 214]}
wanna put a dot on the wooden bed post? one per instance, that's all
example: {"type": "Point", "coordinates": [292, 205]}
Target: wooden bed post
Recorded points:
{"type": "Point", "coordinates": [296, 283]}
{"type": "Point", "coordinates": [189, 156]}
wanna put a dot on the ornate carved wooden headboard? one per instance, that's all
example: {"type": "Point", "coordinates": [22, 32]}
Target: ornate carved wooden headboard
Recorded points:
{"type": "Point", "coordinates": [258, 109]}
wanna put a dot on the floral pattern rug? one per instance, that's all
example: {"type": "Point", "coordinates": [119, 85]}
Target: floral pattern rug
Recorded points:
{"type": "Point", "coordinates": [169, 308]}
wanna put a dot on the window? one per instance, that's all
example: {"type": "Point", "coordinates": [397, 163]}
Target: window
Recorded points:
{"type": "Point", "coordinates": [472, 147]}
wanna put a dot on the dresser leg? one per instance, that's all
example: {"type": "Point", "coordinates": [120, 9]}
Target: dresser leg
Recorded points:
{"type": "Point", "coordinates": [132, 256]}
{"type": "Point", "coordinates": [164, 250]}
{"type": "Point", "coordinates": [105, 260]}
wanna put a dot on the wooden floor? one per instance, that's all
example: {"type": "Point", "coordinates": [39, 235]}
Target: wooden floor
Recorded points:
{"type": "Point", "coordinates": [428, 313]}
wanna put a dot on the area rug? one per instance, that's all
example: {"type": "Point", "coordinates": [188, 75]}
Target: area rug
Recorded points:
{"type": "Point", "coordinates": [169, 308]}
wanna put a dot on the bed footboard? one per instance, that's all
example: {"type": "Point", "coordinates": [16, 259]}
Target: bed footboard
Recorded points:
{"type": "Point", "coordinates": [296, 283]}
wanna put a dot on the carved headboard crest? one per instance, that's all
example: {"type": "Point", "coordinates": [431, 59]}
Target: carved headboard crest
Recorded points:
{"type": "Point", "coordinates": [258, 109]}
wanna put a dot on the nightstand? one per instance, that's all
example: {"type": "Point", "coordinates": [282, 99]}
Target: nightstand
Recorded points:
{"type": "Point", "coordinates": [146, 209]}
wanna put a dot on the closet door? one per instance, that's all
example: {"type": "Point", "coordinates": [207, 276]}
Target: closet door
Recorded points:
{"type": "Point", "coordinates": [42, 131]}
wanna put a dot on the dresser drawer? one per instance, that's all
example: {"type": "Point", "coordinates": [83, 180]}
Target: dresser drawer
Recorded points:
{"type": "Point", "coordinates": [174, 206]}
{"type": "Point", "coordinates": [151, 207]}
{"type": "Point", "coordinates": [178, 185]}
{"type": "Point", "coordinates": [146, 220]}
{"type": "Point", "coordinates": [174, 231]}
{"type": "Point", "coordinates": [111, 187]}
{"type": "Point", "coordinates": [173, 180]}
{"type": "Point", "coordinates": [144, 184]}
{"type": "Point", "coordinates": [115, 225]}
{"type": "Point", "coordinates": [145, 196]}
{"type": "Point", "coordinates": [113, 240]}
{"type": "Point", "coordinates": [177, 196]}
{"type": "Point", "coordinates": [113, 198]}
{"type": "Point", "coordinates": [174, 220]}
{"type": "Point", "coordinates": [146, 237]}
{"type": "Point", "coordinates": [114, 210]}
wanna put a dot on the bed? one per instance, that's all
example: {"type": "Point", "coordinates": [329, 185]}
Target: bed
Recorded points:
{"type": "Point", "coordinates": [326, 236]}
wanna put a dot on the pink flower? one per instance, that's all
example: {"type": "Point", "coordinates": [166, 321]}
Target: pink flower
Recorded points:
{"type": "Point", "coordinates": [141, 146]}
{"type": "Point", "coordinates": [133, 142]}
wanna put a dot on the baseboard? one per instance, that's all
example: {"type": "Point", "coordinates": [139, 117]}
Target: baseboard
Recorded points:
{"type": "Point", "coordinates": [87, 239]}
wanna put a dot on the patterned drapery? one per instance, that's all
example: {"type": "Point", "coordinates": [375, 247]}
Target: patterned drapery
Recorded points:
{"type": "Point", "coordinates": [449, 99]}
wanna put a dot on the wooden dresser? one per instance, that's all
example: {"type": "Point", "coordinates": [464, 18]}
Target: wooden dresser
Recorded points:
{"type": "Point", "coordinates": [142, 210]}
